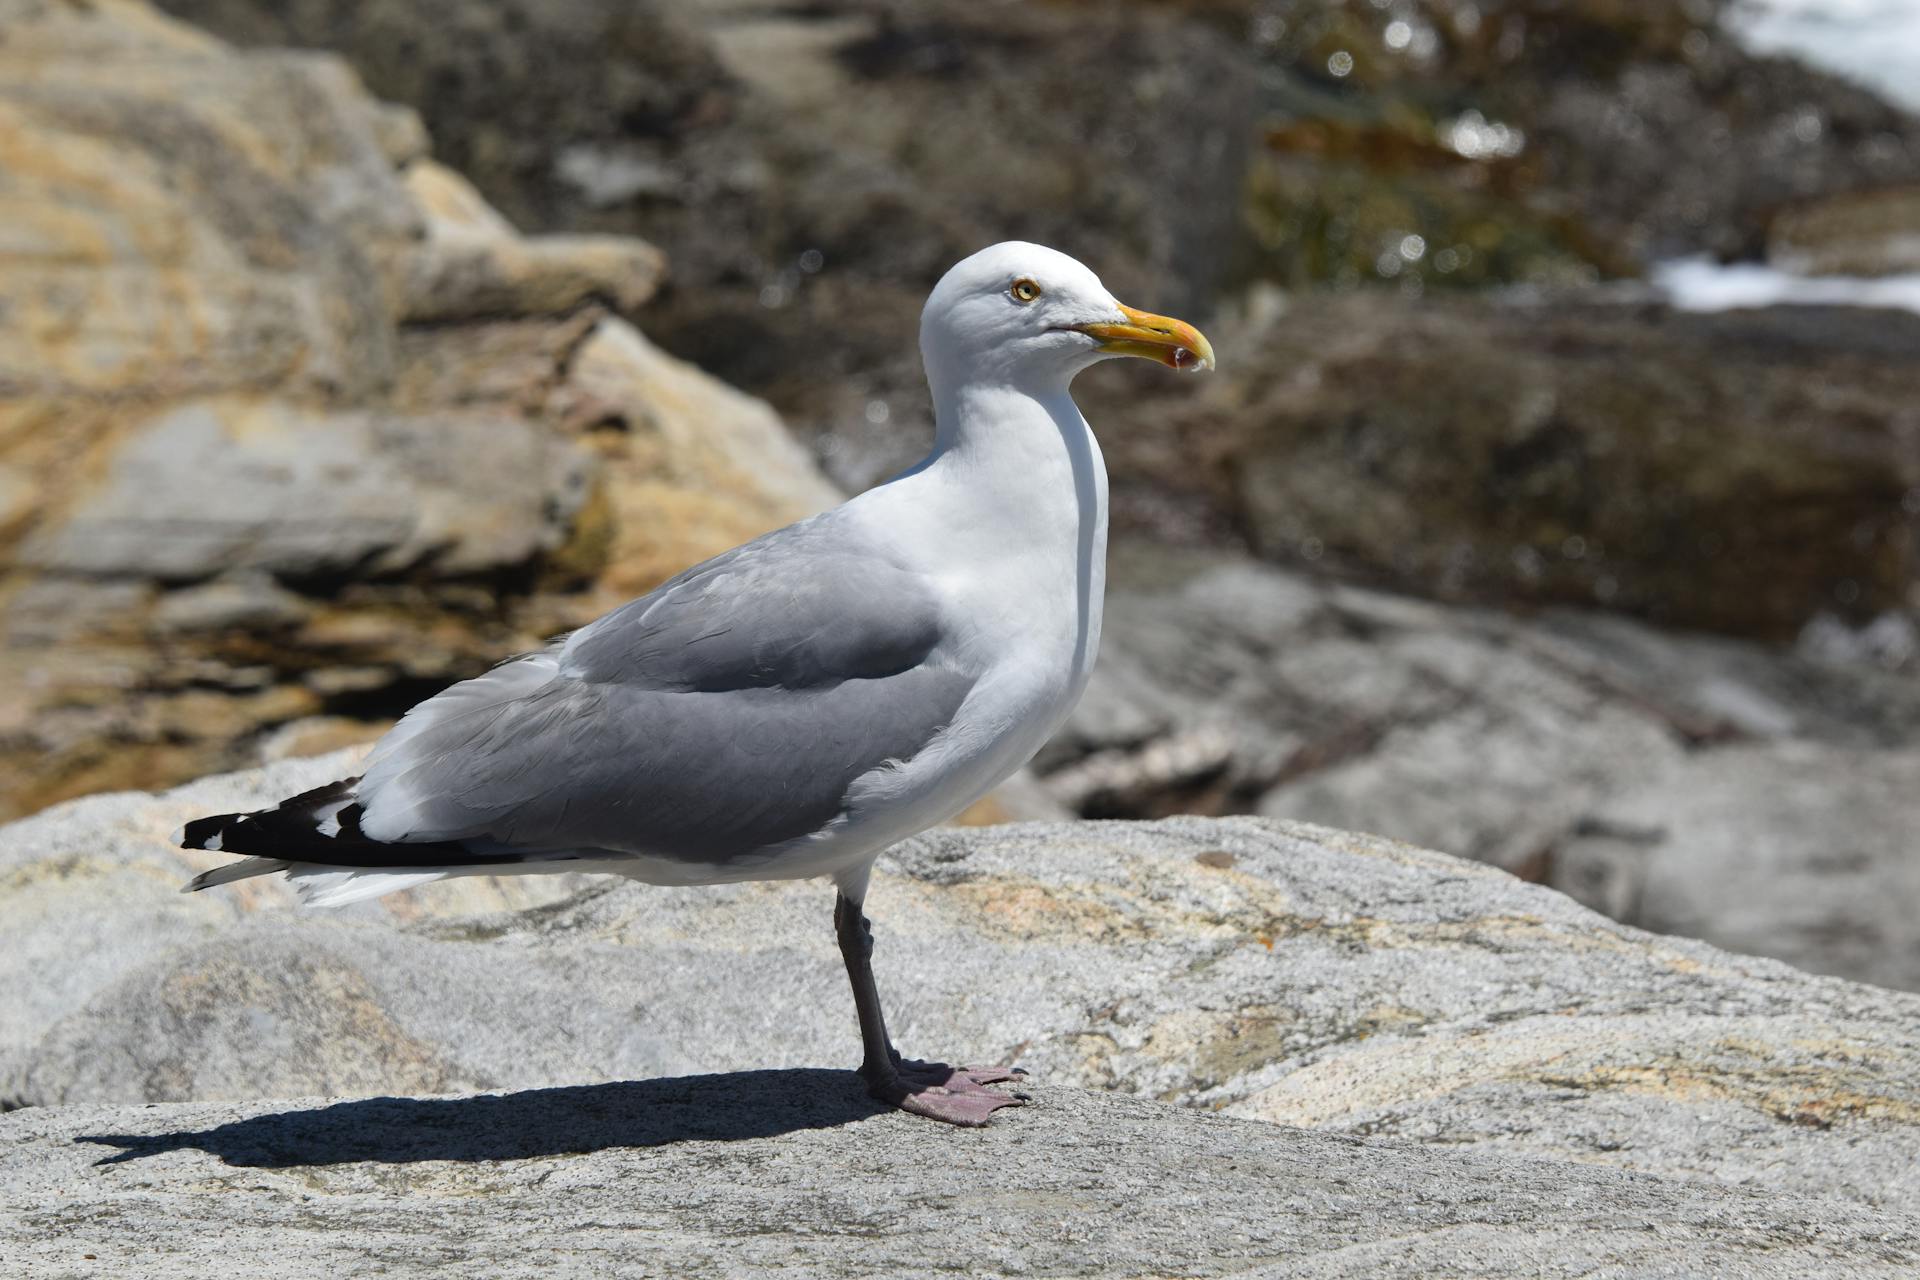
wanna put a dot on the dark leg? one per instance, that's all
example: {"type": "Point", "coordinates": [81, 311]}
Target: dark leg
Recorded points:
{"type": "Point", "coordinates": [933, 1089]}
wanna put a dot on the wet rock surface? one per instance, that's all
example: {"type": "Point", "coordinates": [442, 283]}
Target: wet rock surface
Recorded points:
{"type": "Point", "coordinates": [1269, 969]}
{"type": "Point", "coordinates": [1551, 135]}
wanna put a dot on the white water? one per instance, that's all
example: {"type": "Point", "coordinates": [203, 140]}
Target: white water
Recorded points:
{"type": "Point", "coordinates": [1874, 42]}
{"type": "Point", "coordinates": [1701, 284]}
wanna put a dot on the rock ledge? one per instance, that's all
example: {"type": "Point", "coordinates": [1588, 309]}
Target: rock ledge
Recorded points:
{"type": "Point", "coordinates": [791, 1172]}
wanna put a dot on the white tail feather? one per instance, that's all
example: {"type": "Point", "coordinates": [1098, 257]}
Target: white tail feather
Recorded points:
{"type": "Point", "coordinates": [336, 887]}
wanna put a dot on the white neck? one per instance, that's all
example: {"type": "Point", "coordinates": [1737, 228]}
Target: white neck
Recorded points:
{"type": "Point", "coordinates": [1014, 498]}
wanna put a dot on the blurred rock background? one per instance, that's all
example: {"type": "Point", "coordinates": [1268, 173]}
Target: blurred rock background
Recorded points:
{"type": "Point", "coordinates": [347, 346]}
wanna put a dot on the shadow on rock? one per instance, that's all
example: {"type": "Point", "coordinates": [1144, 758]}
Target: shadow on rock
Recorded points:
{"type": "Point", "coordinates": [516, 1126]}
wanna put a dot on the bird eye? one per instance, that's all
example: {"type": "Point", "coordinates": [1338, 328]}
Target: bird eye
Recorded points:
{"type": "Point", "coordinates": [1024, 290]}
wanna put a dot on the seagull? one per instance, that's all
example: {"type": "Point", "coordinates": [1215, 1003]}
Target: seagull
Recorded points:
{"type": "Point", "coordinates": [794, 706]}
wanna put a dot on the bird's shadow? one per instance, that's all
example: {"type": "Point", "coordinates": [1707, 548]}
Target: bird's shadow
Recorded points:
{"type": "Point", "coordinates": [530, 1123]}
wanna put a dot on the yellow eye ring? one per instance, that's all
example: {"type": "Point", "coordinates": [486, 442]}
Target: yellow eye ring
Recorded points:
{"type": "Point", "coordinates": [1024, 290]}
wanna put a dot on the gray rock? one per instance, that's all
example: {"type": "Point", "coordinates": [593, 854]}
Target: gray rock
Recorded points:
{"type": "Point", "coordinates": [241, 600]}
{"type": "Point", "coordinates": [1788, 849]}
{"type": "Point", "coordinates": [473, 264]}
{"type": "Point", "coordinates": [1490, 449]}
{"type": "Point", "coordinates": [1661, 778]}
{"type": "Point", "coordinates": [210, 487]}
{"type": "Point", "coordinates": [1871, 233]}
{"type": "Point", "coordinates": [1452, 728]}
{"type": "Point", "coordinates": [1269, 969]}
{"type": "Point", "coordinates": [792, 1174]}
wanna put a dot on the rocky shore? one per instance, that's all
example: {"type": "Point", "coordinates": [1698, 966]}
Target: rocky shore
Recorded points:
{"type": "Point", "coordinates": [1251, 1042]}
{"type": "Point", "coordinates": [1273, 970]}
{"type": "Point", "coordinates": [295, 427]}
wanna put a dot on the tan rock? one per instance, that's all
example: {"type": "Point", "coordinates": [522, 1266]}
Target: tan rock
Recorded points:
{"type": "Point", "coordinates": [1865, 233]}
{"type": "Point", "coordinates": [692, 464]}
{"type": "Point", "coordinates": [318, 735]}
{"type": "Point", "coordinates": [210, 487]}
{"type": "Point", "coordinates": [472, 262]}
{"type": "Point", "coordinates": [279, 395]}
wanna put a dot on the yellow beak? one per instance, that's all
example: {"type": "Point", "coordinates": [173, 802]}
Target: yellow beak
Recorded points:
{"type": "Point", "coordinates": [1174, 343]}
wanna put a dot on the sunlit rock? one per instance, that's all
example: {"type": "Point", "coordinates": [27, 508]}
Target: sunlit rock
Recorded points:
{"type": "Point", "coordinates": [1271, 970]}
{"type": "Point", "coordinates": [294, 424]}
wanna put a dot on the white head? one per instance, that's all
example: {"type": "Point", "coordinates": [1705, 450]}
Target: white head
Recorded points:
{"type": "Point", "coordinates": [1025, 315]}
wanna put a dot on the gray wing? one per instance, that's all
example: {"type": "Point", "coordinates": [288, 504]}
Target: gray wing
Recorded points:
{"type": "Point", "coordinates": [728, 711]}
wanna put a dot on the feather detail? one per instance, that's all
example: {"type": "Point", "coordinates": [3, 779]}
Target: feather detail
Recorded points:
{"type": "Point", "coordinates": [337, 886]}
{"type": "Point", "coordinates": [245, 869]}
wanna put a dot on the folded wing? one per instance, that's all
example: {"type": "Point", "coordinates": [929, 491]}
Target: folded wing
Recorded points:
{"type": "Point", "coordinates": [727, 712]}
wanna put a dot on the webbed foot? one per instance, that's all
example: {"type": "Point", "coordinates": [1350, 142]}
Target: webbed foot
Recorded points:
{"type": "Point", "coordinates": [956, 1095]}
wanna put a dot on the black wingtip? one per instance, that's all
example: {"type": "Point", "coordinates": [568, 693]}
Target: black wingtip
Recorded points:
{"type": "Point", "coordinates": [321, 826]}
{"type": "Point", "coordinates": [209, 834]}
